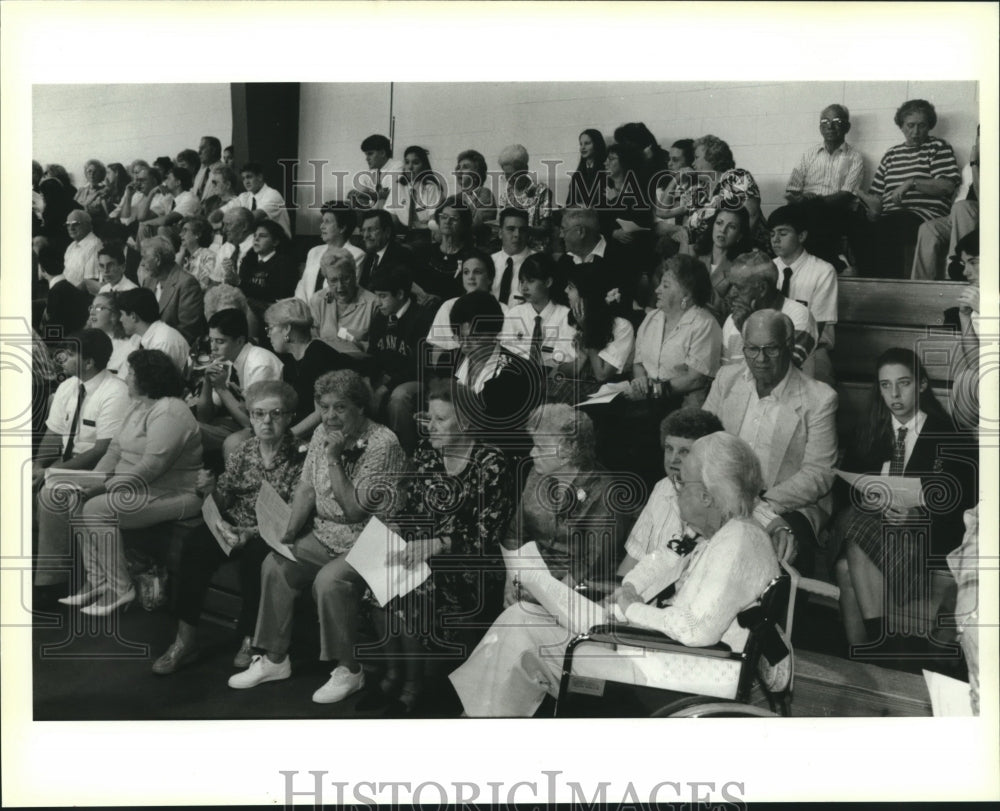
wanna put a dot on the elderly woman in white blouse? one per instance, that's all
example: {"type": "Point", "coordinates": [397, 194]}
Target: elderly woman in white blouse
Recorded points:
{"type": "Point", "coordinates": [717, 572]}
{"type": "Point", "coordinates": [677, 352]}
{"type": "Point", "coordinates": [678, 345]}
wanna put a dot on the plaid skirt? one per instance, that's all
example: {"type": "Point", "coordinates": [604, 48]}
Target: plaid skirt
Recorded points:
{"type": "Point", "coordinates": [900, 551]}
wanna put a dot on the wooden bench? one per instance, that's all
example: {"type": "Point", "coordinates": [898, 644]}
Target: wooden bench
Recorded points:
{"type": "Point", "coordinates": [877, 314]}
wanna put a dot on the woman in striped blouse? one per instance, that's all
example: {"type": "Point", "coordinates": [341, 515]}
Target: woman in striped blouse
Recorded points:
{"type": "Point", "coordinates": [914, 182]}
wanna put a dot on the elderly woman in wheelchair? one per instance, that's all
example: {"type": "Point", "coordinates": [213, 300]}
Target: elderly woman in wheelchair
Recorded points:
{"type": "Point", "coordinates": [719, 567]}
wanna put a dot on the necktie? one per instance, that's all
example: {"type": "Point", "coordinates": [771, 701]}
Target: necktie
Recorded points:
{"type": "Point", "coordinates": [173, 204]}
{"type": "Point", "coordinates": [536, 341]}
{"type": "Point", "coordinates": [786, 284]}
{"type": "Point", "coordinates": [507, 280]}
{"type": "Point", "coordinates": [253, 205]}
{"type": "Point", "coordinates": [204, 182]}
{"type": "Point", "coordinates": [896, 466]}
{"type": "Point", "coordinates": [159, 291]}
{"type": "Point", "coordinates": [68, 453]}
{"type": "Point", "coordinates": [371, 262]}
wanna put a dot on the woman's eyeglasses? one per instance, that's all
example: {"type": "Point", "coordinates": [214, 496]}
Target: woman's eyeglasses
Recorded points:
{"type": "Point", "coordinates": [259, 414]}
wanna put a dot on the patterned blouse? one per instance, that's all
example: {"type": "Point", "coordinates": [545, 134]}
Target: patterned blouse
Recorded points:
{"type": "Point", "coordinates": [200, 264]}
{"type": "Point", "coordinates": [237, 489]}
{"type": "Point", "coordinates": [732, 191]}
{"type": "Point", "coordinates": [472, 508]}
{"type": "Point", "coordinates": [579, 529]}
{"type": "Point", "coordinates": [374, 465]}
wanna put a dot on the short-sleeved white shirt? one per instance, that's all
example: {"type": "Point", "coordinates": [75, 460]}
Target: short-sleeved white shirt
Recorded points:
{"type": "Point", "coordinates": [105, 404]}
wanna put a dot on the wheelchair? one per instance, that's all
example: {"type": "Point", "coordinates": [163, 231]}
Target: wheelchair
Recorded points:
{"type": "Point", "coordinates": [620, 671]}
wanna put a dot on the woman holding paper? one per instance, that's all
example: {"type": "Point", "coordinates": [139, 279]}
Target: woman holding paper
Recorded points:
{"type": "Point", "coordinates": [717, 573]}
{"type": "Point", "coordinates": [908, 433]}
{"type": "Point", "coordinates": [152, 466]}
{"type": "Point", "coordinates": [602, 342]}
{"type": "Point", "coordinates": [270, 455]}
{"type": "Point", "coordinates": [463, 493]}
{"type": "Point", "coordinates": [351, 471]}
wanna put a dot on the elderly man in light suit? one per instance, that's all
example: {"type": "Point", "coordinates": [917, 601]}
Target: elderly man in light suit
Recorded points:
{"type": "Point", "coordinates": [789, 420]}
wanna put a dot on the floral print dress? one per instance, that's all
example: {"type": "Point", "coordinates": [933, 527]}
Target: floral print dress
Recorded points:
{"type": "Point", "coordinates": [473, 508]}
{"type": "Point", "coordinates": [732, 191]}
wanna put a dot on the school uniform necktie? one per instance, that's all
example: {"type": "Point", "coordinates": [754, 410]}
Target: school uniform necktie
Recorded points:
{"type": "Point", "coordinates": [68, 453]}
{"type": "Point", "coordinates": [253, 205]}
{"type": "Point", "coordinates": [507, 280]}
{"type": "Point", "coordinates": [536, 341]}
{"type": "Point", "coordinates": [786, 284]}
{"type": "Point", "coordinates": [897, 465]}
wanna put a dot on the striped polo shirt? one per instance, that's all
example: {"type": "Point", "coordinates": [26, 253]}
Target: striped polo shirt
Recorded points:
{"type": "Point", "coordinates": [932, 159]}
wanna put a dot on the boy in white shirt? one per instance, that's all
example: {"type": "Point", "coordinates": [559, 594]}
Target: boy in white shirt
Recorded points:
{"type": "Point", "coordinates": [806, 279]}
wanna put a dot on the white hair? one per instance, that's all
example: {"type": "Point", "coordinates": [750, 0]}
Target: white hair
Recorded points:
{"type": "Point", "coordinates": [730, 471]}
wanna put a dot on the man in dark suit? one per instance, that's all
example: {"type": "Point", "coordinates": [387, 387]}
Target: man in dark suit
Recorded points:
{"type": "Point", "coordinates": [380, 249]}
{"type": "Point", "coordinates": [177, 291]}
{"type": "Point", "coordinates": [581, 232]}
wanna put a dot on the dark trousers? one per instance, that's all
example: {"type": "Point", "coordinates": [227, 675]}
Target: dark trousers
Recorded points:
{"type": "Point", "coordinates": [829, 221]}
{"type": "Point", "coordinates": [200, 558]}
{"type": "Point", "coordinates": [894, 241]}
{"type": "Point", "coordinates": [807, 545]}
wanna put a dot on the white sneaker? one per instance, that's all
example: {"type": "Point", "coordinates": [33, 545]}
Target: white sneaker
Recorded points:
{"type": "Point", "coordinates": [341, 684]}
{"type": "Point", "coordinates": [261, 670]}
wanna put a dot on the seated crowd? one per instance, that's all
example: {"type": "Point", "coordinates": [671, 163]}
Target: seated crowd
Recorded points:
{"type": "Point", "coordinates": [432, 364]}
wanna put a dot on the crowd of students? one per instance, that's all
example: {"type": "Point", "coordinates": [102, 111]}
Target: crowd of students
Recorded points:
{"type": "Point", "coordinates": [434, 360]}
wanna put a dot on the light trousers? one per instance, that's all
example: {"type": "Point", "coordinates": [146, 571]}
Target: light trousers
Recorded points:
{"type": "Point", "coordinates": [337, 587]}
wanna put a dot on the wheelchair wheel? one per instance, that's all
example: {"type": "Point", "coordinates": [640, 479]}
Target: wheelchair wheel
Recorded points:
{"type": "Point", "coordinates": [703, 707]}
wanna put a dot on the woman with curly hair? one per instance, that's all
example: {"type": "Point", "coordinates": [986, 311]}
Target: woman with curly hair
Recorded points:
{"type": "Point", "coordinates": [729, 188]}
{"type": "Point", "coordinates": [351, 464]}
{"type": "Point", "coordinates": [914, 183]}
{"type": "Point", "coordinates": [152, 472]}
{"type": "Point", "coordinates": [470, 177]}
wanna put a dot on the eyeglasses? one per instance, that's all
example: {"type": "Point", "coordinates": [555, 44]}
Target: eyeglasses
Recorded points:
{"type": "Point", "coordinates": [96, 308]}
{"type": "Point", "coordinates": [770, 351]}
{"type": "Point", "coordinates": [269, 328]}
{"type": "Point", "coordinates": [832, 122]}
{"type": "Point", "coordinates": [259, 414]}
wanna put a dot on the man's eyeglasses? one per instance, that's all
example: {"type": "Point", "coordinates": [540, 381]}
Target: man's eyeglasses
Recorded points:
{"type": "Point", "coordinates": [832, 122]}
{"type": "Point", "coordinates": [260, 414]}
{"type": "Point", "coordinates": [770, 351]}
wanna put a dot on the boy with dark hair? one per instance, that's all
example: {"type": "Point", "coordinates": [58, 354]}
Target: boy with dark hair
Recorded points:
{"type": "Point", "coordinates": [399, 330]}
{"type": "Point", "coordinates": [806, 279]}
{"type": "Point", "coordinates": [236, 365]}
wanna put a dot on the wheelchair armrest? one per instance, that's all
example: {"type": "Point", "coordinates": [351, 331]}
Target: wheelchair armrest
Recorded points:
{"type": "Point", "coordinates": [597, 589]}
{"type": "Point", "coordinates": [618, 634]}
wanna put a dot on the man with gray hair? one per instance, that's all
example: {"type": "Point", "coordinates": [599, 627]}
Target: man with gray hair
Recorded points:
{"type": "Point", "coordinates": [826, 181]}
{"type": "Point", "coordinates": [520, 190]}
{"type": "Point", "coordinates": [790, 422]}
{"type": "Point", "coordinates": [177, 292]}
{"type": "Point", "coordinates": [753, 280]}
{"type": "Point", "coordinates": [580, 228]}
{"type": "Point", "coordinates": [80, 260]}
{"type": "Point", "coordinates": [238, 229]}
